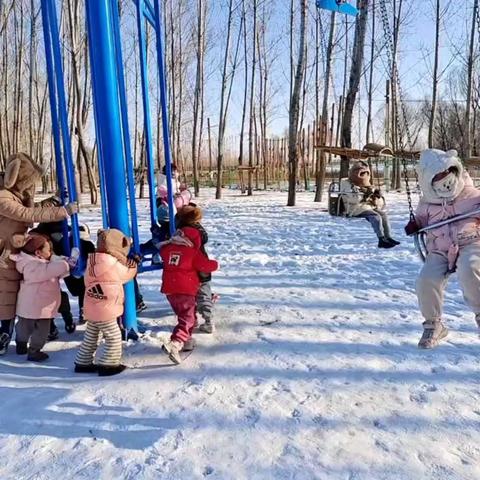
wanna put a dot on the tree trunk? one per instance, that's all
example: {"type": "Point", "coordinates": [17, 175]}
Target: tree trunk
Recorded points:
{"type": "Point", "coordinates": [354, 82]}
{"type": "Point", "coordinates": [222, 116]}
{"type": "Point", "coordinates": [433, 109]}
{"type": "Point", "coordinates": [467, 143]}
{"type": "Point", "coordinates": [322, 126]}
{"type": "Point", "coordinates": [251, 132]}
{"type": "Point", "coordinates": [294, 114]}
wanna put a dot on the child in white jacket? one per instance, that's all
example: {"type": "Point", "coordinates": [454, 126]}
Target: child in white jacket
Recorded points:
{"type": "Point", "coordinates": [361, 200]}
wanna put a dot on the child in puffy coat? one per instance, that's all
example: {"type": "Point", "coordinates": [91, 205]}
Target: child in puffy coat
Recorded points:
{"type": "Point", "coordinates": [39, 296]}
{"type": "Point", "coordinates": [361, 200]}
{"type": "Point", "coordinates": [182, 262]}
{"type": "Point", "coordinates": [107, 271]}
{"type": "Point", "coordinates": [447, 190]}
{"type": "Point", "coordinates": [190, 216]}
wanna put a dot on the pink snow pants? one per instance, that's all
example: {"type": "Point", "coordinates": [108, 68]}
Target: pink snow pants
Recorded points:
{"type": "Point", "coordinates": [184, 308]}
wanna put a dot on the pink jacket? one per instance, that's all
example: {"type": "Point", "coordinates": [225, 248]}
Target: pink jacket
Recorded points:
{"type": "Point", "coordinates": [448, 239]}
{"type": "Point", "coordinates": [39, 295]}
{"type": "Point", "coordinates": [104, 280]}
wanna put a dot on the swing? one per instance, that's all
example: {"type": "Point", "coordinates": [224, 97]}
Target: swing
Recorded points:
{"type": "Point", "coordinates": [419, 235]}
{"type": "Point", "coordinates": [340, 6]}
{"type": "Point", "coordinates": [336, 199]}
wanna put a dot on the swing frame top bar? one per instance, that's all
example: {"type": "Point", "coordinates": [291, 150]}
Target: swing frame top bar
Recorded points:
{"type": "Point", "coordinates": [371, 150]}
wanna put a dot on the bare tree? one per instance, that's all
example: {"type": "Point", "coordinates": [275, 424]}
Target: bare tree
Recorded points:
{"type": "Point", "coordinates": [294, 114]}
{"type": "Point", "coordinates": [354, 82]}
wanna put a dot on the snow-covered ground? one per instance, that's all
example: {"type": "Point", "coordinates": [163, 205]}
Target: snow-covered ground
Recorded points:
{"type": "Point", "coordinates": [313, 373]}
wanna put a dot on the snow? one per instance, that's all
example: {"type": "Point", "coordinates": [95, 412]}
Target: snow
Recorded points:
{"type": "Point", "coordinates": [313, 372]}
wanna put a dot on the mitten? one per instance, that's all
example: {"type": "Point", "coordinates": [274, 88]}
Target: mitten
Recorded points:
{"type": "Point", "coordinates": [411, 227]}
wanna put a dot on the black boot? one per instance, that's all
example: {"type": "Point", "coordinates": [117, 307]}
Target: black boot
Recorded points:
{"type": "Point", "coordinates": [54, 334]}
{"type": "Point", "coordinates": [104, 371]}
{"type": "Point", "coordinates": [4, 342]}
{"type": "Point", "coordinates": [21, 348]}
{"type": "Point", "coordinates": [70, 326]}
{"type": "Point", "coordinates": [37, 356]}
{"type": "Point", "coordinates": [384, 243]}
{"type": "Point", "coordinates": [393, 241]}
{"type": "Point", "coordinates": [86, 368]}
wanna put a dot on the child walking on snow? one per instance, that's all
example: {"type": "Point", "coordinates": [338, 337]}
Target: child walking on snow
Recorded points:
{"type": "Point", "coordinates": [39, 296]}
{"type": "Point", "coordinates": [183, 260]}
{"type": "Point", "coordinates": [107, 271]}
{"type": "Point", "coordinates": [361, 200]}
{"type": "Point", "coordinates": [447, 190]}
{"type": "Point", "coordinates": [187, 217]}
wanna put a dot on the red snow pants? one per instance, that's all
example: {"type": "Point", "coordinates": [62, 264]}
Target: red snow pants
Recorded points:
{"type": "Point", "coordinates": [184, 308]}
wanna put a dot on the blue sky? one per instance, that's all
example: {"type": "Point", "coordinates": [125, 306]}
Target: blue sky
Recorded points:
{"type": "Point", "coordinates": [416, 55]}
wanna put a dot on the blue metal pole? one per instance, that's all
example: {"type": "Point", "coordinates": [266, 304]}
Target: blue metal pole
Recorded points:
{"type": "Point", "coordinates": [125, 129]}
{"type": "Point", "coordinates": [164, 103]}
{"type": "Point", "coordinates": [54, 115]}
{"type": "Point", "coordinates": [104, 72]}
{"type": "Point", "coordinates": [62, 110]}
{"type": "Point", "coordinates": [147, 124]}
{"type": "Point", "coordinates": [101, 166]}
{"type": "Point", "coordinates": [149, 13]}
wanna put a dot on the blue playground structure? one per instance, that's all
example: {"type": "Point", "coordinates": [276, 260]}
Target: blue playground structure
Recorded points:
{"type": "Point", "coordinates": [340, 6]}
{"type": "Point", "coordinates": [116, 166]}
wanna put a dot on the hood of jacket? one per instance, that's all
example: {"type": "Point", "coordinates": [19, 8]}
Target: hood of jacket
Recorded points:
{"type": "Point", "coordinates": [22, 260]}
{"type": "Point", "coordinates": [432, 162]}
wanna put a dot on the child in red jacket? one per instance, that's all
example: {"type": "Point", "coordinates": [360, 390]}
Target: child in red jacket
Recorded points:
{"type": "Point", "coordinates": [182, 262]}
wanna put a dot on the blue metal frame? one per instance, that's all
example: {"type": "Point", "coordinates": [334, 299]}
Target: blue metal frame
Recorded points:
{"type": "Point", "coordinates": [111, 120]}
{"type": "Point", "coordinates": [164, 102]}
{"type": "Point", "coordinates": [58, 106]}
{"type": "Point", "coordinates": [147, 125]}
{"type": "Point", "coordinates": [109, 127]}
{"type": "Point", "coordinates": [125, 128]}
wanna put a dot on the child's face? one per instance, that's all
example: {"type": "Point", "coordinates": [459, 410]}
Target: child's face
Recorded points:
{"type": "Point", "coordinates": [45, 252]}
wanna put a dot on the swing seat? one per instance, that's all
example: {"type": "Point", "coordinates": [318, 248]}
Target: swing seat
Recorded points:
{"type": "Point", "coordinates": [341, 6]}
{"type": "Point", "coordinates": [336, 205]}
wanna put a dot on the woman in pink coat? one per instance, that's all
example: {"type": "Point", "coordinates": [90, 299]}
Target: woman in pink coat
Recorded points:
{"type": "Point", "coordinates": [39, 296]}
{"type": "Point", "coordinates": [447, 190]}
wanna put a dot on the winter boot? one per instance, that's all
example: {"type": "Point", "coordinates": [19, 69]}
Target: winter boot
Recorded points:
{"type": "Point", "coordinates": [70, 326]}
{"type": "Point", "coordinates": [4, 342]}
{"type": "Point", "coordinates": [393, 241]}
{"type": "Point", "coordinates": [173, 348]}
{"type": "Point", "coordinates": [383, 242]}
{"type": "Point", "coordinates": [141, 306]}
{"type": "Point", "coordinates": [108, 371]}
{"type": "Point", "coordinates": [37, 356]}
{"type": "Point", "coordinates": [433, 332]}
{"type": "Point", "coordinates": [86, 368]}
{"type": "Point", "coordinates": [207, 327]}
{"type": "Point", "coordinates": [189, 345]}
{"type": "Point", "coordinates": [54, 333]}
{"type": "Point", "coordinates": [21, 348]}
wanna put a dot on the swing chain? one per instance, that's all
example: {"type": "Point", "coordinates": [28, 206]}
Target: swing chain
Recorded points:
{"type": "Point", "coordinates": [395, 100]}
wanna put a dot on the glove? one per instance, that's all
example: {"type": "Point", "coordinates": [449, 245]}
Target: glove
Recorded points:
{"type": "Point", "coordinates": [53, 201]}
{"type": "Point", "coordinates": [411, 228]}
{"type": "Point", "coordinates": [136, 258]}
{"type": "Point", "coordinates": [131, 263]}
{"type": "Point", "coordinates": [72, 208]}
{"type": "Point", "coordinates": [74, 256]}
{"type": "Point", "coordinates": [377, 193]}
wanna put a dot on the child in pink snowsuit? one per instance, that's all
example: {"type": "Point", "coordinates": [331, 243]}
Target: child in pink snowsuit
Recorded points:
{"type": "Point", "coordinates": [107, 271]}
{"type": "Point", "coordinates": [39, 296]}
{"type": "Point", "coordinates": [447, 190]}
